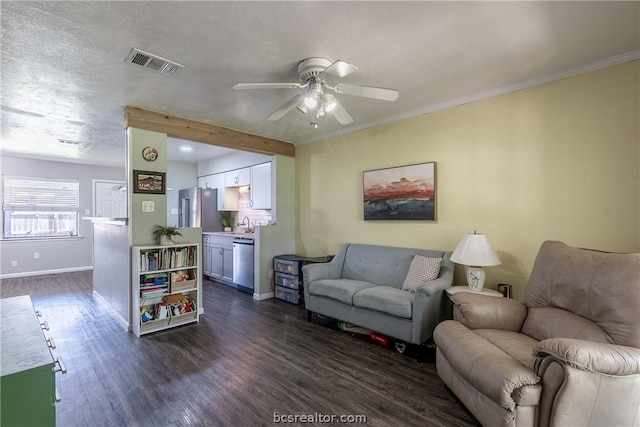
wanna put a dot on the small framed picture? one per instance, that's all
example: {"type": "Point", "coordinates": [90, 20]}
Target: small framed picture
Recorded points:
{"type": "Point", "coordinates": [148, 182]}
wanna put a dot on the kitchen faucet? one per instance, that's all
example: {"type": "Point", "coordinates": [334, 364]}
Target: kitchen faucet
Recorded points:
{"type": "Point", "coordinates": [247, 224]}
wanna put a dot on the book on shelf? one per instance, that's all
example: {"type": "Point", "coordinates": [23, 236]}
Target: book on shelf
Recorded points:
{"type": "Point", "coordinates": [154, 278]}
{"type": "Point", "coordinates": [167, 258]}
{"type": "Point", "coordinates": [152, 287]}
{"type": "Point", "coordinates": [192, 256]}
{"type": "Point", "coordinates": [149, 261]}
{"type": "Point", "coordinates": [152, 293]}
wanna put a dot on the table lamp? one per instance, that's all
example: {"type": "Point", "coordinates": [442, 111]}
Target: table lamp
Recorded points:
{"type": "Point", "coordinates": [475, 251]}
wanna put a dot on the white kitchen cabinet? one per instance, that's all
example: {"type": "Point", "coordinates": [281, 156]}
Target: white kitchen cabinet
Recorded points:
{"type": "Point", "coordinates": [227, 196]}
{"type": "Point", "coordinates": [219, 184]}
{"type": "Point", "coordinates": [237, 178]}
{"type": "Point", "coordinates": [261, 186]}
{"type": "Point", "coordinates": [208, 181]}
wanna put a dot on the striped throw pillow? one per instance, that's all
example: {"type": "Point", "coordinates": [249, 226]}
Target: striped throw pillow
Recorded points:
{"type": "Point", "coordinates": [422, 270]}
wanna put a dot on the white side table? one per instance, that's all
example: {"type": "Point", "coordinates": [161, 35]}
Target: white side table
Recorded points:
{"type": "Point", "coordinates": [490, 292]}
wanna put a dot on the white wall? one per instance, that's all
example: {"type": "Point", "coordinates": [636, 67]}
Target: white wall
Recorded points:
{"type": "Point", "coordinates": [56, 255]}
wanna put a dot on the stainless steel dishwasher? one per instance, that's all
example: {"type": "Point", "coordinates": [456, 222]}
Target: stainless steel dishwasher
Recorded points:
{"type": "Point", "coordinates": [243, 264]}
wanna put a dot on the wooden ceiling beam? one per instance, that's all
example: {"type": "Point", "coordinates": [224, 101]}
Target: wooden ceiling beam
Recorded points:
{"type": "Point", "coordinates": [177, 127]}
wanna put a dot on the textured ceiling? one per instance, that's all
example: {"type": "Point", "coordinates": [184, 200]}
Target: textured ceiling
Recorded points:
{"type": "Point", "coordinates": [64, 74]}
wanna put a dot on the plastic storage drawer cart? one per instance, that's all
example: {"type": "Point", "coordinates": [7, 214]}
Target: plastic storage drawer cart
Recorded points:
{"type": "Point", "coordinates": [287, 276]}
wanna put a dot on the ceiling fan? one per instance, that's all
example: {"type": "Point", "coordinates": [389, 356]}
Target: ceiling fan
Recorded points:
{"type": "Point", "coordinates": [315, 74]}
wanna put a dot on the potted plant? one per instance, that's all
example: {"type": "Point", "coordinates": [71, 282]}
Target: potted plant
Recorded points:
{"type": "Point", "coordinates": [164, 234]}
{"type": "Point", "coordinates": [227, 220]}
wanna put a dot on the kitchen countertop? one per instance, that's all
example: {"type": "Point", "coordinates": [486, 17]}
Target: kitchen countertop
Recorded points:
{"type": "Point", "coordinates": [229, 234]}
{"type": "Point", "coordinates": [103, 220]}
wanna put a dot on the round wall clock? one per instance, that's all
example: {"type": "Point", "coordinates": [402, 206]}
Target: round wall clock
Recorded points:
{"type": "Point", "coordinates": [150, 154]}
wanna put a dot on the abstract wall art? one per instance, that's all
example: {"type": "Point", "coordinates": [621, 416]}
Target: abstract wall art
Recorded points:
{"type": "Point", "coordinates": [401, 193]}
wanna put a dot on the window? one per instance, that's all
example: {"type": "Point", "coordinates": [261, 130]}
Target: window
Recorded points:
{"type": "Point", "coordinates": [39, 207]}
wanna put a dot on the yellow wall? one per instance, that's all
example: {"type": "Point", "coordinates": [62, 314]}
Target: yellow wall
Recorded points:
{"type": "Point", "coordinates": [560, 161]}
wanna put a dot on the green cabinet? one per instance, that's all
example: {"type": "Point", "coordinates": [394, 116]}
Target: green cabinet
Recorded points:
{"type": "Point", "coordinates": [27, 367]}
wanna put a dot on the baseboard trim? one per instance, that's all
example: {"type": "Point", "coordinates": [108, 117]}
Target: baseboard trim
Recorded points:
{"type": "Point", "coordinates": [112, 311]}
{"type": "Point", "coordinates": [44, 272]}
{"type": "Point", "coordinates": [260, 297]}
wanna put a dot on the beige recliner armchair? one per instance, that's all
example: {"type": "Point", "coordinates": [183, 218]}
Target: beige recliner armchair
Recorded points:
{"type": "Point", "coordinates": [568, 356]}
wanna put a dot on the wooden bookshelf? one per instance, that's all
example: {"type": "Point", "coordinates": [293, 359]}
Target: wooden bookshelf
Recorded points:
{"type": "Point", "coordinates": [160, 274]}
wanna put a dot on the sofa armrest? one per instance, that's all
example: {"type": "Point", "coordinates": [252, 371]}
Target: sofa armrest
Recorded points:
{"type": "Point", "coordinates": [430, 305]}
{"type": "Point", "coordinates": [487, 312]}
{"type": "Point", "coordinates": [434, 286]}
{"type": "Point", "coordinates": [598, 357]}
{"type": "Point", "coordinates": [329, 270]}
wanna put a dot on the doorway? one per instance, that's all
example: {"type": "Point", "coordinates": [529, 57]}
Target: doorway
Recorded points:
{"type": "Point", "coordinates": [109, 199]}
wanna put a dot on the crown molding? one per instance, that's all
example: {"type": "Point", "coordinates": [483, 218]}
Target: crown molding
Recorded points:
{"type": "Point", "coordinates": [534, 81]}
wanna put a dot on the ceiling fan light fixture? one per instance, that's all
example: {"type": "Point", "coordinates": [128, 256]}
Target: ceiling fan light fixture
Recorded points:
{"type": "Point", "coordinates": [311, 100]}
{"type": "Point", "coordinates": [315, 73]}
{"type": "Point", "coordinates": [329, 102]}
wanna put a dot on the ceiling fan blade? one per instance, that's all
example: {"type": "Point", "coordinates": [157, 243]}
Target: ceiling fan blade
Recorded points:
{"type": "Point", "coordinates": [267, 86]}
{"type": "Point", "coordinates": [280, 112]}
{"type": "Point", "coordinates": [341, 115]}
{"type": "Point", "coordinates": [338, 69]}
{"type": "Point", "coordinates": [368, 92]}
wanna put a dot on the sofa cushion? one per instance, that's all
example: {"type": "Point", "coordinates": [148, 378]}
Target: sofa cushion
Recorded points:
{"type": "Point", "coordinates": [381, 265]}
{"type": "Point", "coordinates": [385, 299]}
{"type": "Point", "coordinates": [517, 345]}
{"type": "Point", "coordinates": [423, 269]}
{"type": "Point", "coordinates": [339, 289]}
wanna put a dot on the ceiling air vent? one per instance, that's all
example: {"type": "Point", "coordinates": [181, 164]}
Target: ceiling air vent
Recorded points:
{"type": "Point", "coordinates": [153, 62]}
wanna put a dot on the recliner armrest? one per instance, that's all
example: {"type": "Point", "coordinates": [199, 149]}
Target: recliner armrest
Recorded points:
{"type": "Point", "coordinates": [592, 356]}
{"type": "Point", "coordinates": [487, 312]}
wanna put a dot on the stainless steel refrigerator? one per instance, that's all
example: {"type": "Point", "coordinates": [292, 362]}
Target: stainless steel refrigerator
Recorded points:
{"type": "Point", "coordinates": [199, 208]}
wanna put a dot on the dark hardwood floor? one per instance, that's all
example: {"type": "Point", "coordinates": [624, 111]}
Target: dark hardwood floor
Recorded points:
{"type": "Point", "coordinates": [244, 362]}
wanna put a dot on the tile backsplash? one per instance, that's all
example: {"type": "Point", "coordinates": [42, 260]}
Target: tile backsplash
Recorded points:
{"type": "Point", "coordinates": [256, 216]}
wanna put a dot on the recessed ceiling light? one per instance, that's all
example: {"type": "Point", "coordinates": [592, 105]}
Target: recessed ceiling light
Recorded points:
{"type": "Point", "coordinates": [186, 148]}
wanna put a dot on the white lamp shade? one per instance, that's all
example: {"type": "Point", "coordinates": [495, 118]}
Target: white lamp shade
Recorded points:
{"type": "Point", "coordinates": [474, 249]}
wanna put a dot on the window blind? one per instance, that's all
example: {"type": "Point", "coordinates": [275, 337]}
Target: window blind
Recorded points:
{"type": "Point", "coordinates": [38, 194]}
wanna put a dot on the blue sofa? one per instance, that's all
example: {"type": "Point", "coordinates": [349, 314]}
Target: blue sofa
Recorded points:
{"type": "Point", "coordinates": [362, 285]}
